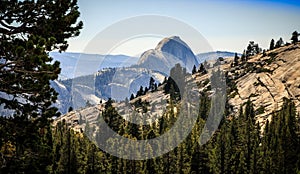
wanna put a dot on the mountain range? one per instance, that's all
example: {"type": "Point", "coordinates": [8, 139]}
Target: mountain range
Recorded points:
{"type": "Point", "coordinates": [118, 76]}
{"type": "Point", "coordinates": [201, 57]}
{"type": "Point", "coordinates": [265, 79]}
{"type": "Point", "coordinates": [69, 61]}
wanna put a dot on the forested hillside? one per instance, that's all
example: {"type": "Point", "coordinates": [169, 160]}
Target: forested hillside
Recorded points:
{"type": "Point", "coordinates": [242, 144]}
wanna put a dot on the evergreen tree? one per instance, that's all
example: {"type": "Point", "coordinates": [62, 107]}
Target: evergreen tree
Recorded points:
{"type": "Point", "coordinates": [295, 36]}
{"type": "Point", "coordinates": [29, 30]}
{"type": "Point", "coordinates": [165, 80]}
{"type": "Point", "coordinates": [108, 104]}
{"type": "Point", "coordinates": [155, 87]}
{"type": "Point", "coordinates": [243, 57]}
{"type": "Point", "coordinates": [272, 44]}
{"type": "Point", "coordinates": [176, 82]}
{"type": "Point", "coordinates": [194, 70]}
{"type": "Point", "coordinates": [236, 59]}
{"type": "Point", "coordinates": [70, 109]}
{"type": "Point", "coordinates": [131, 97]}
{"type": "Point", "coordinates": [252, 49]}
{"type": "Point", "coordinates": [146, 90]}
{"type": "Point", "coordinates": [279, 43]}
{"type": "Point", "coordinates": [202, 69]}
{"type": "Point", "coordinates": [152, 84]}
{"type": "Point", "coordinates": [27, 36]}
{"type": "Point", "coordinates": [280, 143]}
{"type": "Point", "coordinates": [264, 53]}
{"type": "Point", "coordinates": [140, 91]}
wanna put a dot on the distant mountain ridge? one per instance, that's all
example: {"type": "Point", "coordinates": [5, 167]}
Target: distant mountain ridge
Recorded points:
{"type": "Point", "coordinates": [69, 60]}
{"type": "Point", "coordinates": [201, 57]}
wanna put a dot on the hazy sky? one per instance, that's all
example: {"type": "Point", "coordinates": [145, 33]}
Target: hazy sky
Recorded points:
{"type": "Point", "coordinates": [227, 25]}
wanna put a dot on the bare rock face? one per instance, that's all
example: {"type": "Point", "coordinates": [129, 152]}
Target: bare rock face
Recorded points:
{"type": "Point", "coordinates": [157, 106]}
{"type": "Point", "coordinates": [272, 78]}
{"type": "Point", "coordinates": [167, 53]}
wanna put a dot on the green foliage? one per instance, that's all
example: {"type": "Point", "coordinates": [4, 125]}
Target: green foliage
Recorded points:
{"type": "Point", "coordinates": [281, 142]}
{"type": "Point", "coordinates": [252, 49]}
{"type": "Point", "coordinates": [237, 146]}
{"type": "Point", "coordinates": [175, 84]}
{"type": "Point", "coordinates": [29, 30]}
{"type": "Point", "coordinates": [260, 110]}
{"type": "Point", "coordinates": [272, 57]}
{"type": "Point", "coordinates": [30, 145]}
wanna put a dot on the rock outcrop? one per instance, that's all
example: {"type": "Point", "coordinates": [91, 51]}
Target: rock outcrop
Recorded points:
{"type": "Point", "coordinates": [167, 53]}
{"type": "Point", "coordinates": [271, 78]}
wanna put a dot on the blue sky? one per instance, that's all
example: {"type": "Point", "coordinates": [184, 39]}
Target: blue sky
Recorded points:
{"type": "Point", "coordinates": [227, 25]}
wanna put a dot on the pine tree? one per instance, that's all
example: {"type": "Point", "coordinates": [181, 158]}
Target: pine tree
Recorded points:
{"type": "Point", "coordinates": [194, 70]}
{"type": "Point", "coordinates": [152, 84]}
{"type": "Point", "coordinates": [279, 43]}
{"type": "Point", "coordinates": [252, 49]}
{"type": "Point", "coordinates": [27, 36]}
{"type": "Point", "coordinates": [236, 59]}
{"type": "Point", "coordinates": [29, 30]}
{"type": "Point", "coordinates": [155, 87]}
{"type": "Point", "coordinates": [295, 36]}
{"type": "Point", "coordinates": [140, 91]}
{"type": "Point", "coordinates": [70, 109]}
{"type": "Point", "coordinates": [131, 97]}
{"type": "Point", "coordinates": [243, 57]}
{"type": "Point", "coordinates": [280, 142]}
{"type": "Point", "coordinates": [272, 44]}
{"type": "Point", "coordinates": [95, 159]}
{"type": "Point", "coordinates": [202, 69]}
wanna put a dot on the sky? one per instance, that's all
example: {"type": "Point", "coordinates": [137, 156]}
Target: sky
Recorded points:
{"type": "Point", "coordinates": [226, 25]}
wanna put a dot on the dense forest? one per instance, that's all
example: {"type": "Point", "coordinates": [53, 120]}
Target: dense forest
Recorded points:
{"type": "Point", "coordinates": [239, 146]}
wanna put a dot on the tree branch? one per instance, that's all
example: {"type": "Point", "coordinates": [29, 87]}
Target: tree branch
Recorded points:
{"type": "Point", "coordinates": [6, 64]}
{"type": "Point", "coordinates": [13, 29]}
